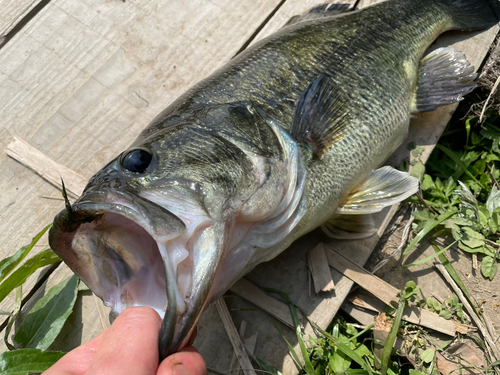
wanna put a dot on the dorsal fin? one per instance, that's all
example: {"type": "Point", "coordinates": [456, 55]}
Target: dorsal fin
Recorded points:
{"type": "Point", "coordinates": [320, 11]}
{"type": "Point", "coordinates": [320, 118]}
{"type": "Point", "coordinates": [444, 76]}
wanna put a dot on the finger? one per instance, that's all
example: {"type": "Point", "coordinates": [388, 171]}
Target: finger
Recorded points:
{"type": "Point", "coordinates": [77, 361]}
{"type": "Point", "coordinates": [130, 345]}
{"type": "Point", "coordinates": [186, 362]}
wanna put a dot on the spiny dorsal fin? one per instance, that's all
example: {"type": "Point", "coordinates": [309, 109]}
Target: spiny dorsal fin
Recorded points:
{"type": "Point", "coordinates": [444, 76]}
{"type": "Point", "coordinates": [320, 118]}
{"type": "Point", "coordinates": [383, 187]}
{"type": "Point", "coordinates": [320, 11]}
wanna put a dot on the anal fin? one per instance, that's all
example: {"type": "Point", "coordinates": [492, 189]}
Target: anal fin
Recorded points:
{"type": "Point", "coordinates": [383, 187]}
{"type": "Point", "coordinates": [349, 227]}
{"type": "Point", "coordinates": [444, 77]}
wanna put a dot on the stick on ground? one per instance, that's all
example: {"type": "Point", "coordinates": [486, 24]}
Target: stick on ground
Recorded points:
{"type": "Point", "coordinates": [495, 352]}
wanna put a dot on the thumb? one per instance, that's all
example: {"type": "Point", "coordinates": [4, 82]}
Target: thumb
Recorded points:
{"type": "Point", "coordinates": [186, 362]}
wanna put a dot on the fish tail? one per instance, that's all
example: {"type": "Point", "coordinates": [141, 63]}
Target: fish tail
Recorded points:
{"type": "Point", "coordinates": [474, 14]}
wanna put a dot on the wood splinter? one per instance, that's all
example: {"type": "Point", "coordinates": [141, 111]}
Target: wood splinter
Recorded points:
{"type": "Point", "coordinates": [239, 349]}
{"type": "Point", "coordinates": [320, 271]}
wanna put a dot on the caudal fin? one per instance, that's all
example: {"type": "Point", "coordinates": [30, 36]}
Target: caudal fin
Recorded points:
{"type": "Point", "coordinates": [474, 14]}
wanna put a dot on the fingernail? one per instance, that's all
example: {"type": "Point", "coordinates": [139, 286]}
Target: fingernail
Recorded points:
{"type": "Point", "coordinates": [180, 369]}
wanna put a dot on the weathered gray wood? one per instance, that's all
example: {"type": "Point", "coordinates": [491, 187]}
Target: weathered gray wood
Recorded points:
{"type": "Point", "coordinates": [290, 9]}
{"type": "Point", "coordinates": [320, 272]}
{"type": "Point", "coordinates": [387, 293]}
{"type": "Point", "coordinates": [238, 347]}
{"type": "Point", "coordinates": [13, 11]}
{"type": "Point", "coordinates": [82, 79]}
{"type": "Point", "coordinates": [49, 170]}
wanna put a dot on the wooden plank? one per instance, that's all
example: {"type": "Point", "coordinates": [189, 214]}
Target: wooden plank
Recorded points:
{"type": "Point", "coordinates": [234, 361]}
{"type": "Point", "coordinates": [252, 293]}
{"type": "Point", "coordinates": [249, 344]}
{"type": "Point", "coordinates": [318, 265]}
{"type": "Point", "coordinates": [490, 341]}
{"type": "Point", "coordinates": [290, 9]}
{"type": "Point", "coordinates": [97, 80]}
{"type": "Point", "coordinates": [239, 349]}
{"type": "Point", "coordinates": [12, 12]}
{"type": "Point", "coordinates": [82, 79]}
{"type": "Point", "coordinates": [361, 315]}
{"type": "Point", "coordinates": [48, 169]}
{"type": "Point", "coordinates": [387, 293]}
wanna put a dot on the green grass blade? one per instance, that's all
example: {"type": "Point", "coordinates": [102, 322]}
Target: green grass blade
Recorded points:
{"type": "Point", "coordinates": [454, 275]}
{"type": "Point", "coordinates": [425, 230]}
{"type": "Point", "coordinates": [347, 351]}
{"type": "Point", "coordinates": [468, 127]}
{"type": "Point", "coordinates": [459, 162]}
{"type": "Point", "coordinates": [391, 339]}
{"type": "Point", "coordinates": [8, 264]}
{"type": "Point", "coordinates": [45, 320]}
{"type": "Point", "coordinates": [430, 257]}
{"type": "Point", "coordinates": [27, 361]}
{"type": "Point", "coordinates": [19, 276]}
{"type": "Point", "coordinates": [296, 323]}
{"type": "Point", "coordinates": [361, 332]}
{"type": "Point", "coordinates": [290, 347]}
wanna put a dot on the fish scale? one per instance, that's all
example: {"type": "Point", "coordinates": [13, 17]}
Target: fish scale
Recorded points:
{"type": "Point", "coordinates": [283, 139]}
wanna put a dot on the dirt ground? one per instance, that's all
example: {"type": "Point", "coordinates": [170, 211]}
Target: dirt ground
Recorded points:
{"type": "Point", "coordinates": [485, 293]}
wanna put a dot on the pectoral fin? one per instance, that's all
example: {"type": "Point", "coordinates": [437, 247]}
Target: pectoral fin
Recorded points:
{"type": "Point", "coordinates": [444, 77]}
{"type": "Point", "coordinates": [383, 187]}
{"type": "Point", "coordinates": [321, 116]}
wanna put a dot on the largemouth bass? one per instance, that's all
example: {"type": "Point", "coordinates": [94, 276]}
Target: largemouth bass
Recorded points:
{"type": "Point", "coordinates": [285, 138]}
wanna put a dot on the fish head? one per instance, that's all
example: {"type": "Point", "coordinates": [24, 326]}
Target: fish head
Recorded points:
{"type": "Point", "coordinates": [151, 227]}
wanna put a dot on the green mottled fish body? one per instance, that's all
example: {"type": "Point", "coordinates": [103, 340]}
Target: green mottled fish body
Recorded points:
{"type": "Point", "coordinates": [284, 138]}
{"type": "Point", "coordinates": [372, 55]}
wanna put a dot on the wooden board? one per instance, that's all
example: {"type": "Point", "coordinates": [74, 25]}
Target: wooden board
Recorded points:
{"type": "Point", "coordinates": [12, 13]}
{"type": "Point", "coordinates": [83, 78]}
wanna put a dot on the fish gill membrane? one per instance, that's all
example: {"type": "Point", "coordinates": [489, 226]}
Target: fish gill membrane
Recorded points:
{"type": "Point", "coordinates": [285, 138]}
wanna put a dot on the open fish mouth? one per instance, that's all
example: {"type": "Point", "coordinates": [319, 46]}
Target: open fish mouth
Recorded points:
{"type": "Point", "coordinates": [127, 250]}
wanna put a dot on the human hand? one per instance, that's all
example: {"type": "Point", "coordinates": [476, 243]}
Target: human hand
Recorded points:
{"type": "Point", "coordinates": [129, 346]}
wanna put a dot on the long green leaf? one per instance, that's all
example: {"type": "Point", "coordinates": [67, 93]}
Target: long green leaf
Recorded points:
{"type": "Point", "coordinates": [459, 162]}
{"type": "Point", "coordinates": [391, 339]}
{"type": "Point", "coordinates": [430, 257]}
{"type": "Point", "coordinates": [27, 361]}
{"type": "Point", "coordinates": [8, 264]}
{"type": "Point", "coordinates": [296, 322]}
{"type": "Point", "coordinates": [347, 351]}
{"type": "Point", "coordinates": [45, 320]}
{"type": "Point", "coordinates": [19, 276]}
{"type": "Point", "coordinates": [425, 230]}
{"type": "Point", "coordinates": [290, 347]}
{"type": "Point", "coordinates": [454, 275]}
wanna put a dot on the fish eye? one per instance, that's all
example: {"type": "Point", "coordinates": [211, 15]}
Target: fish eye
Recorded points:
{"type": "Point", "coordinates": [137, 160]}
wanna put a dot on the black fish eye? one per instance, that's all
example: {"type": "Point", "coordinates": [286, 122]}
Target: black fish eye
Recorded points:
{"type": "Point", "coordinates": [137, 160]}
